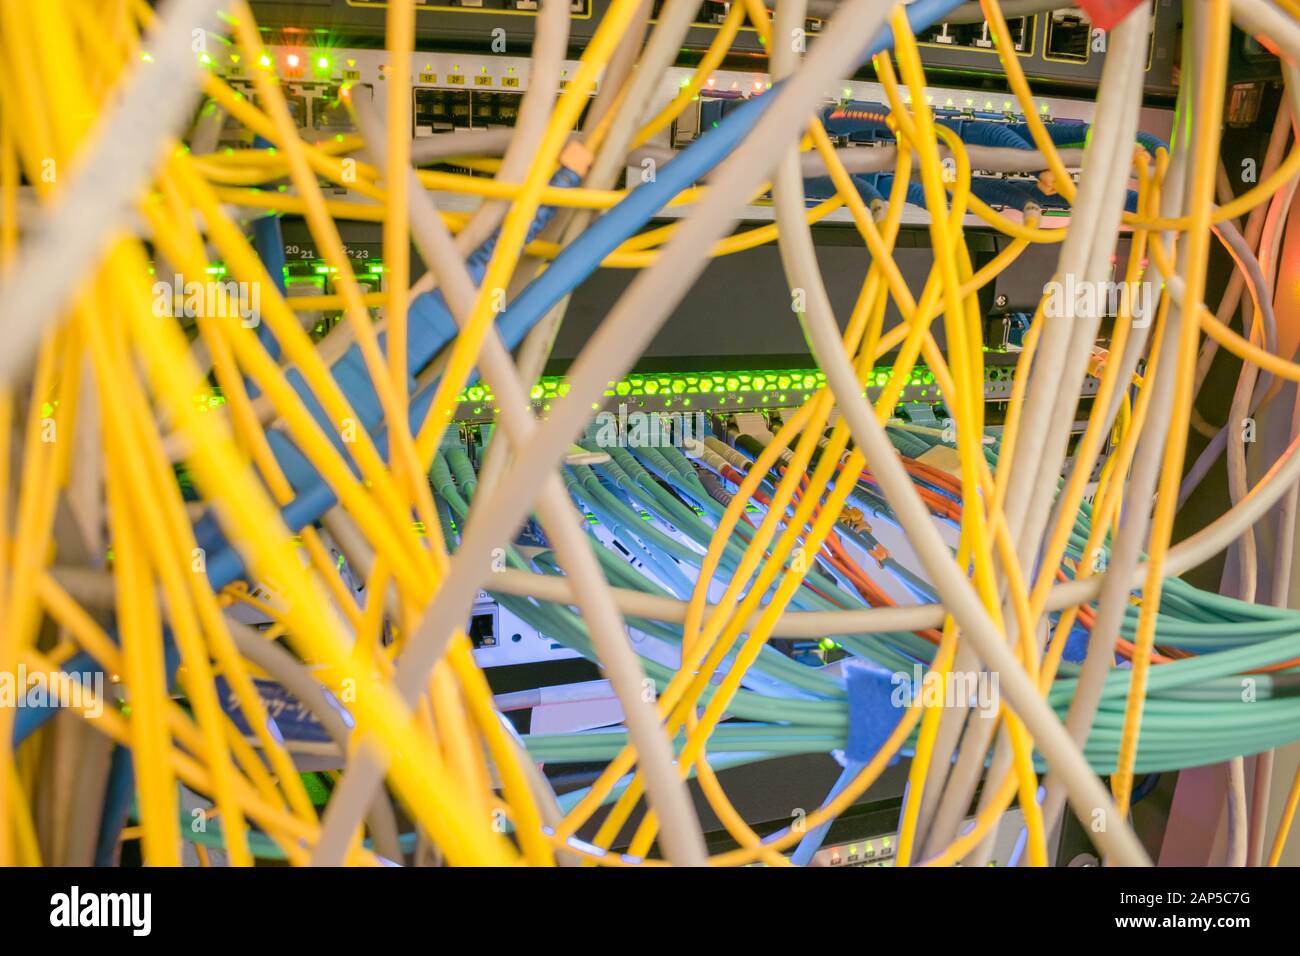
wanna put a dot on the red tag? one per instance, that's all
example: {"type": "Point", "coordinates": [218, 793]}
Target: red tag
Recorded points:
{"type": "Point", "coordinates": [1107, 13]}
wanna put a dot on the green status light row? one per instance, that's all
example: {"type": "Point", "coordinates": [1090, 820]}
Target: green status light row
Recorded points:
{"type": "Point", "coordinates": [659, 384]}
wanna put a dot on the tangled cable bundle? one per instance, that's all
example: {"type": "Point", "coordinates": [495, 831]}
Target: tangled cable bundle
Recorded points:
{"type": "Point", "coordinates": [225, 517]}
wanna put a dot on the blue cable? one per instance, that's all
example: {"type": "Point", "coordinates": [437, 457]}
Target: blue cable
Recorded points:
{"type": "Point", "coordinates": [268, 241]}
{"type": "Point", "coordinates": [812, 840]}
{"type": "Point", "coordinates": [985, 133]}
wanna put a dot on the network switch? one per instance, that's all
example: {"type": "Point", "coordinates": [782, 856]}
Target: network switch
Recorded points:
{"type": "Point", "coordinates": [1057, 47]}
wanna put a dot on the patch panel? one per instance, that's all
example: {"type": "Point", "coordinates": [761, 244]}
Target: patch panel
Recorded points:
{"type": "Point", "coordinates": [478, 75]}
{"type": "Point", "coordinates": [449, 91]}
{"type": "Point", "coordinates": [489, 110]}
{"type": "Point", "coordinates": [725, 391]}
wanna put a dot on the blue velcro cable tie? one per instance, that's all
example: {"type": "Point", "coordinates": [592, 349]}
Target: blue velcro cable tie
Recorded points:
{"type": "Point", "coordinates": [877, 701]}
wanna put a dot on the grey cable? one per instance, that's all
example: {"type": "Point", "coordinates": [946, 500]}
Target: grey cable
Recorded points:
{"type": "Point", "coordinates": [1100, 198]}
{"type": "Point", "coordinates": [1087, 794]}
{"type": "Point", "coordinates": [206, 134]}
{"type": "Point", "coordinates": [461, 142]}
{"type": "Point", "coordinates": [293, 676]}
{"type": "Point", "coordinates": [620, 66]}
{"type": "Point", "coordinates": [1239, 481]}
{"type": "Point", "coordinates": [1064, 350]}
{"type": "Point", "coordinates": [104, 181]}
{"type": "Point", "coordinates": [1254, 224]}
{"type": "Point", "coordinates": [1245, 843]}
{"type": "Point", "coordinates": [659, 53]}
{"type": "Point", "coordinates": [1257, 825]}
{"type": "Point", "coordinates": [1254, 275]}
{"type": "Point", "coordinates": [1135, 523]}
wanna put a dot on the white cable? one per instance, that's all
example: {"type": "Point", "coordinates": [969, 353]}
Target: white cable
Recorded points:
{"type": "Point", "coordinates": [876, 159]}
{"type": "Point", "coordinates": [1238, 827]}
{"type": "Point", "coordinates": [1266, 20]}
{"type": "Point", "coordinates": [1143, 479]}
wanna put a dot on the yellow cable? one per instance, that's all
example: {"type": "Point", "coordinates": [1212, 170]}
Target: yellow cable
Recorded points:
{"type": "Point", "coordinates": [689, 92]}
{"type": "Point", "coordinates": [1201, 192]}
{"type": "Point", "coordinates": [1284, 825]}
